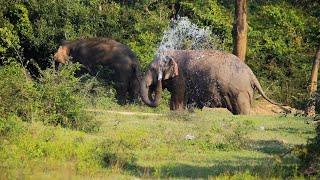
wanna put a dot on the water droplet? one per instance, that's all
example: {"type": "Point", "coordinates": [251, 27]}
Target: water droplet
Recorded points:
{"type": "Point", "coordinates": [184, 35]}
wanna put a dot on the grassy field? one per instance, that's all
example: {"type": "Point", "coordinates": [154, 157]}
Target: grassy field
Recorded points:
{"type": "Point", "coordinates": [149, 144]}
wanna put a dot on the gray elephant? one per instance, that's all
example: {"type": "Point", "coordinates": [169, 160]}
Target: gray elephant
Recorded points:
{"type": "Point", "coordinates": [201, 78]}
{"type": "Point", "coordinates": [98, 54]}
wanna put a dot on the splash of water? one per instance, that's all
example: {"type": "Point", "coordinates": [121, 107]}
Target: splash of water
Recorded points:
{"type": "Point", "coordinates": [184, 35]}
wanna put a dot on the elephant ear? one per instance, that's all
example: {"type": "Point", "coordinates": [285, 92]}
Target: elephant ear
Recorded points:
{"type": "Point", "coordinates": [172, 69]}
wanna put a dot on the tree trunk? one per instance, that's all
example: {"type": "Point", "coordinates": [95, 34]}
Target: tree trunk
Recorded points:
{"type": "Point", "coordinates": [310, 110]}
{"type": "Point", "coordinates": [240, 29]}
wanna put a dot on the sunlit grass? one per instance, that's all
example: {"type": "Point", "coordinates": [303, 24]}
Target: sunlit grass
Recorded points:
{"type": "Point", "coordinates": [204, 144]}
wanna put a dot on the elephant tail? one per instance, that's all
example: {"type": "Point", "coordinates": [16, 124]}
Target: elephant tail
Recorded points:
{"type": "Point", "coordinates": [256, 85]}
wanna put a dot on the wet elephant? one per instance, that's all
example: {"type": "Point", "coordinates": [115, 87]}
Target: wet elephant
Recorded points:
{"type": "Point", "coordinates": [97, 54]}
{"type": "Point", "coordinates": [201, 78]}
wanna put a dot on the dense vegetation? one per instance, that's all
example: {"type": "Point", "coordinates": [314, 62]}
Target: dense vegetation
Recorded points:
{"type": "Point", "coordinates": [57, 98]}
{"type": "Point", "coordinates": [44, 114]}
{"type": "Point", "coordinates": [283, 35]}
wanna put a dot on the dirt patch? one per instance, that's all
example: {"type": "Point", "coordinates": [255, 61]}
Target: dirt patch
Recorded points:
{"type": "Point", "coordinates": [218, 110]}
{"type": "Point", "coordinates": [263, 107]}
{"type": "Point", "coordinates": [122, 112]}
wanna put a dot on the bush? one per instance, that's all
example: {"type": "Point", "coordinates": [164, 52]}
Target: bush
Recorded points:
{"type": "Point", "coordinates": [10, 126]}
{"type": "Point", "coordinates": [9, 41]}
{"type": "Point", "coordinates": [310, 156]}
{"type": "Point", "coordinates": [55, 99]}
{"type": "Point", "coordinates": [62, 102]}
{"type": "Point", "coordinates": [18, 94]}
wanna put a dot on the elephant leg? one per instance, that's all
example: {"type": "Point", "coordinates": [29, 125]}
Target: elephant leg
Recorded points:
{"type": "Point", "coordinates": [177, 89]}
{"type": "Point", "coordinates": [133, 90]}
{"type": "Point", "coordinates": [176, 102]}
{"type": "Point", "coordinates": [228, 104]}
{"type": "Point", "coordinates": [121, 94]}
{"type": "Point", "coordinates": [243, 103]}
{"type": "Point", "coordinates": [121, 76]}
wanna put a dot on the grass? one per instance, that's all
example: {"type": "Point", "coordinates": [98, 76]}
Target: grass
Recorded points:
{"type": "Point", "coordinates": [203, 144]}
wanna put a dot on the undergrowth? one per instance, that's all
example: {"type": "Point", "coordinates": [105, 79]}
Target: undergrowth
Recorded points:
{"type": "Point", "coordinates": [56, 98]}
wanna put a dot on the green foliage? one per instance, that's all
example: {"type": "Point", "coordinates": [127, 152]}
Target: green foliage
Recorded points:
{"type": "Point", "coordinates": [227, 135]}
{"type": "Point", "coordinates": [9, 41]}
{"type": "Point", "coordinates": [62, 102]}
{"type": "Point", "coordinates": [18, 94]}
{"type": "Point", "coordinates": [19, 15]}
{"type": "Point", "coordinates": [53, 145]}
{"type": "Point", "coordinates": [310, 156]}
{"type": "Point", "coordinates": [211, 14]}
{"type": "Point", "coordinates": [283, 35]}
{"type": "Point", "coordinates": [55, 99]}
{"type": "Point", "coordinates": [42, 25]}
{"type": "Point", "coordinates": [10, 126]}
{"type": "Point", "coordinates": [147, 30]}
{"type": "Point", "coordinates": [279, 49]}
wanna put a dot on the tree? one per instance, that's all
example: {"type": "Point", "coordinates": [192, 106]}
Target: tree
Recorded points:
{"type": "Point", "coordinates": [310, 110]}
{"type": "Point", "coordinates": [240, 28]}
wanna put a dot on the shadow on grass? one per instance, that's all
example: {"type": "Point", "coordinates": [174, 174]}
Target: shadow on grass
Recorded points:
{"type": "Point", "coordinates": [257, 167]}
{"type": "Point", "coordinates": [261, 168]}
{"type": "Point", "coordinates": [272, 147]}
{"type": "Point", "coordinates": [291, 130]}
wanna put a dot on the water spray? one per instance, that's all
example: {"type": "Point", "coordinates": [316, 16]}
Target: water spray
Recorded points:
{"type": "Point", "coordinates": [184, 35]}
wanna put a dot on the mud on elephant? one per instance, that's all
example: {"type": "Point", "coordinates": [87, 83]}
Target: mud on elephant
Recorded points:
{"type": "Point", "coordinates": [98, 54]}
{"type": "Point", "coordinates": [201, 78]}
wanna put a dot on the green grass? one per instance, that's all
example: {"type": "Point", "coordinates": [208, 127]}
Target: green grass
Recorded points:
{"type": "Point", "coordinates": [126, 146]}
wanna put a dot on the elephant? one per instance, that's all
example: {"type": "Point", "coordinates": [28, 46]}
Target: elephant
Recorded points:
{"type": "Point", "coordinates": [199, 78]}
{"type": "Point", "coordinates": [98, 54]}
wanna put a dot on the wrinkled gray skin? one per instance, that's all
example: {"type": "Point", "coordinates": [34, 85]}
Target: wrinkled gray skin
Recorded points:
{"type": "Point", "coordinates": [96, 54]}
{"type": "Point", "coordinates": [201, 78]}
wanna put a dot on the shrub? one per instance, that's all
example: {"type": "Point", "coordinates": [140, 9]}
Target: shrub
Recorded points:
{"type": "Point", "coordinates": [310, 156]}
{"type": "Point", "coordinates": [11, 125]}
{"type": "Point", "coordinates": [97, 93]}
{"type": "Point", "coordinates": [62, 100]}
{"type": "Point", "coordinates": [9, 41]}
{"type": "Point", "coordinates": [55, 99]}
{"type": "Point", "coordinates": [18, 94]}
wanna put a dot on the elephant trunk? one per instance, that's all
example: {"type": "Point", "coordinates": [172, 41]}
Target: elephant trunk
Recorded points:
{"type": "Point", "coordinates": [144, 92]}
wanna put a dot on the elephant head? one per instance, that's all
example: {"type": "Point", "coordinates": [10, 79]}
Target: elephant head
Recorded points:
{"type": "Point", "coordinates": [161, 69]}
{"type": "Point", "coordinates": [62, 55]}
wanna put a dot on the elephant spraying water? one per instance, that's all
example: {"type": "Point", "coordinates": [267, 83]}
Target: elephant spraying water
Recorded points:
{"type": "Point", "coordinates": [201, 78]}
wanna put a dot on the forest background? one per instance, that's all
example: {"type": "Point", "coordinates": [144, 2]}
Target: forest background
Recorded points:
{"type": "Point", "coordinates": [283, 35]}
